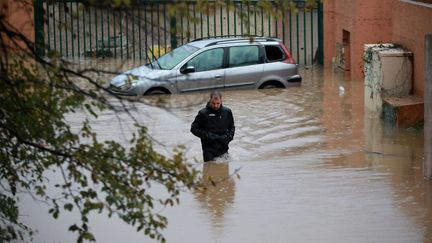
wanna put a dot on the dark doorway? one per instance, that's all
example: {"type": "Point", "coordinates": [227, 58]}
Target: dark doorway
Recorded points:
{"type": "Point", "coordinates": [346, 50]}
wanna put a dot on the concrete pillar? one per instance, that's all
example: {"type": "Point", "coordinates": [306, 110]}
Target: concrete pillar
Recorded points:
{"type": "Point", "coordinates": [428, 107]}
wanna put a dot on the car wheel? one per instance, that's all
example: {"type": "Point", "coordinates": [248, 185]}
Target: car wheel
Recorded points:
{"type": "Point", "coordinates": [271, 85]}
{"type": "Point", "coordinates": [268, 86]}
{"type": "Point", "coordinates": [156, 92]}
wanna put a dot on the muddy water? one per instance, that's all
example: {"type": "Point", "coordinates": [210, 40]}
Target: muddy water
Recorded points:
{"type": "Point", "coordinates": [312, 166]}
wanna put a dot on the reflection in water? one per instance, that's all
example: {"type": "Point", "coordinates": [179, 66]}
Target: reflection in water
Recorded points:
{"type": "Point", "coordinates": [218, 190]}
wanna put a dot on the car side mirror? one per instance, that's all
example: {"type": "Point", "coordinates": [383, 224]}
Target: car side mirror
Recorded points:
{"type": "Point", "coordinates": [188, 69]}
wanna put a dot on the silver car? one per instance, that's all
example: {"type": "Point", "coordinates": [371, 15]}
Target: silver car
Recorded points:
{"type": "Point", "coordinates": [213, 63]}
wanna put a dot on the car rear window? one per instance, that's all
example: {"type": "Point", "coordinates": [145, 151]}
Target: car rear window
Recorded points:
{"type": "Point", "coordinates": [274, 53]}
{"type": "Point", "coordinates": [243, 55]}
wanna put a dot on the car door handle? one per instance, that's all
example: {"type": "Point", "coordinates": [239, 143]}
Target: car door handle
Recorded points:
{"type": "Point", "coordinates": [218, 77]}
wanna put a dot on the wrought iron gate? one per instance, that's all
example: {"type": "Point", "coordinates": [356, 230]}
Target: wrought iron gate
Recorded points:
{"type": "Point", "coordinates": [147, 29]}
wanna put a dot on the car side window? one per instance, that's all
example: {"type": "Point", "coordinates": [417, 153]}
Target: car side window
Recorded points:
{"type": "Point", "coordinates": [243, 55]}
{"type": "Point", "coordinates": [207, 60]}
{"type": "Point", "coordinates": [274, 53]}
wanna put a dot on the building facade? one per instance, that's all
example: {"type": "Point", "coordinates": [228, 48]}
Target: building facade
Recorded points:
{"type": "Point", "coordinates": [350, 24]}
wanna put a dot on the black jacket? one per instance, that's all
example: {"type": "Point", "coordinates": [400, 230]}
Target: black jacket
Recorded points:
{"type": "Point", "coordinates": [215, 128]}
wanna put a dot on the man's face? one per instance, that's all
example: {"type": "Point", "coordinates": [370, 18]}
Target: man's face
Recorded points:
{"type": "Point", "coordinates": [215, 103]}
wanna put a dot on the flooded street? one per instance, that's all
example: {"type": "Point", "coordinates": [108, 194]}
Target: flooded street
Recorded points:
{"type": "Point", "coordinates": [312, 166]}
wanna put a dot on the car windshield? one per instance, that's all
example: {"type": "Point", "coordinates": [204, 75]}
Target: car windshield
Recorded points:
{"type": "Point", "coordinates": [171, 59]}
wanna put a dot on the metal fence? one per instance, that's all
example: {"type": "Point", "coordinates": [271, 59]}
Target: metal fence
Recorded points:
{"type": "Point", "coordinates": [148, 29]}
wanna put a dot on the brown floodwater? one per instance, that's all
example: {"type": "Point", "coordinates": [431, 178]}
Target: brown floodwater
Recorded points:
{"type": "Point", "coordinates": [312, 166]}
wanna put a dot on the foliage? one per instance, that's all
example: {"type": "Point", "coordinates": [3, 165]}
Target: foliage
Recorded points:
{"type": "Point", "coordinates": [37, 94]}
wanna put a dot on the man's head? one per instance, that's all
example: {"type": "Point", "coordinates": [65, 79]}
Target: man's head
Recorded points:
{"type": "Point", "coordinates": [215, 100]}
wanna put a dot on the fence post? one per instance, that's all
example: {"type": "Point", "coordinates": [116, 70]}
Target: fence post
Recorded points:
{"type": "Point", "coordinates": [173, 28]}
{"type": "Point", "coordinates": [428, 107]}
{"type": "Point", "coordinates": [320, 33]}
{"type": "Point", "coordinates": [38, 27]}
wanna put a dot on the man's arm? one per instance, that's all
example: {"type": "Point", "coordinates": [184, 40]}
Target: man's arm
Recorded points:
{"type": "Point", "coordinates": [196, 127]}
{"type": "Point", "coordinates": [231, 127]}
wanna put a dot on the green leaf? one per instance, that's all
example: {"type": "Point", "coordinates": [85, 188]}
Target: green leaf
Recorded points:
{"type": "Point", "coordinates": [68, 206]}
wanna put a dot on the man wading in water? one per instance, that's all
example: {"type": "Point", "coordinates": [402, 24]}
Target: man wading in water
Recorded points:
{"type": "Point", "coordinates": [214, 125]}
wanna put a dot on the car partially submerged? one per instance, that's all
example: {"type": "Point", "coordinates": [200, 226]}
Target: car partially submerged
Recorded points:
{"type": "Point", "coordinates": [213, 63]}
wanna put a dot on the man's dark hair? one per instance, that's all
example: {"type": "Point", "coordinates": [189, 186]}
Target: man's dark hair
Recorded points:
{"type": "Point", "coordinates": [215, 93]}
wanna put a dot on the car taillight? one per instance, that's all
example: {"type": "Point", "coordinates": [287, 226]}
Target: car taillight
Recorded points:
{"type": "Point", "coordinates": [288, 58]}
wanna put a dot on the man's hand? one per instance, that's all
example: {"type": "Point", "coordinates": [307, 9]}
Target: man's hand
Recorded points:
{"type": "Point", "coordinates": [219, 138]}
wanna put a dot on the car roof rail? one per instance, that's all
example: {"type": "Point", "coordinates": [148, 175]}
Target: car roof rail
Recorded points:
{"type": "Point", "coordinates": [223, 36]}
{"type": "Point", "coordinates": [241, 39]}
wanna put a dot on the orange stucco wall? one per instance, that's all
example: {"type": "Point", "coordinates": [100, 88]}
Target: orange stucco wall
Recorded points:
{"type": "Point", "coordinates": [367, 21]}
{"type": "Point", "coordinates": [411, 21]}
{"type": "Point", "coordinates": [20, 15]}
{"type": "Point", "coordinates": [370, 21]}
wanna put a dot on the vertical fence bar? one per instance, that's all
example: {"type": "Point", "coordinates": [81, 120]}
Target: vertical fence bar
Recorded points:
{"type": "Point", "coordinates": [248, 19]}
{"type": "Point", "coordinates": [90, 30]}
{"type": "Point", "coordinates": [290, 31]}
{"type": "Point", "coordinates": [188, 33]}
{"type": "Point", "coordinates": [202, 25]}
{"type": "Point", "coordinates": [195, 19]}
{"type": "Point", "coordinates": [144, 49]}
{"type": "Point", "coordinates": [127, 33]}
{"type": "Point", "coordinates": [173, 27]}
{"type": "Point", "coordinates": [255, 18]}
{"type": "Point", "coordinates": [84, 32]}
{"type": "Point", "coordinates": [276, 23]}
{"type": "Point", "coordinates": [283, 26]}
{"type": "Point", "coordinates": [165, 26]}
{"type": "Point", "coordinates": [181, 29]}
{"type": "Point", "coordinates": [208, 22]}
{"type": "Point", "coordinates": [156, 39]}
{"type": "Point", "coordinates": [188, 30]}
{"type": "Point", "coordinates": [235, 19]}
{"type": "Point", "coordinates": [152, 31]}
{"type": "Point", "coordinates": [78, 29]}
{"type": "Point", "coordinates": [38, 27]}
{"type": "Point", "coordinates": [214, 20]}
{"type": "Point", "coordinates": [241, 18]}
{"type": "Point", "coordinates": [103, 48]}
{"type": "Point", "coordinates": [158, 29]}
{"type": "Point", "coordinates": [312, 36]}
{"type": "Point", "coordinates": [320, 33]}
{"type": "Point", "coordinates": [133, 11]}
{"type": "Point", "coordinates": [96, 32]}
{"type": "Point", "coordinates": [269, 24]}
{"type": "Point", "coordinates": [47, 17]}
{"type": "Point", "coordinates": [221, 20]}
{"type": "Point", "coordinates": [262, 22]}
{"type": "Point", "coordinates": [146, 33]}
{"type": "Point", "coordinates": [228, 17]}
{"type": "Point", "coordinates": [304, 37]}
{"type": "Point", "coordinates": [66, 28]}
{"type": "Point", "coordinates": [121, 33]}
{"type": "Point", "coordinates": [108, 31]}
{"type": "Point", "coordinates": [60, 30]}
{"type": "Point", "coordinates": [298, 37]}
{"type": "Point", "coordinates": [54, 25]}
{"type": "Point", "coordinates": [114, 13]}
{"type": "Point", "coordinates": [139, 32]}
{"type": "Point", "coordinates": [72, 29]}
